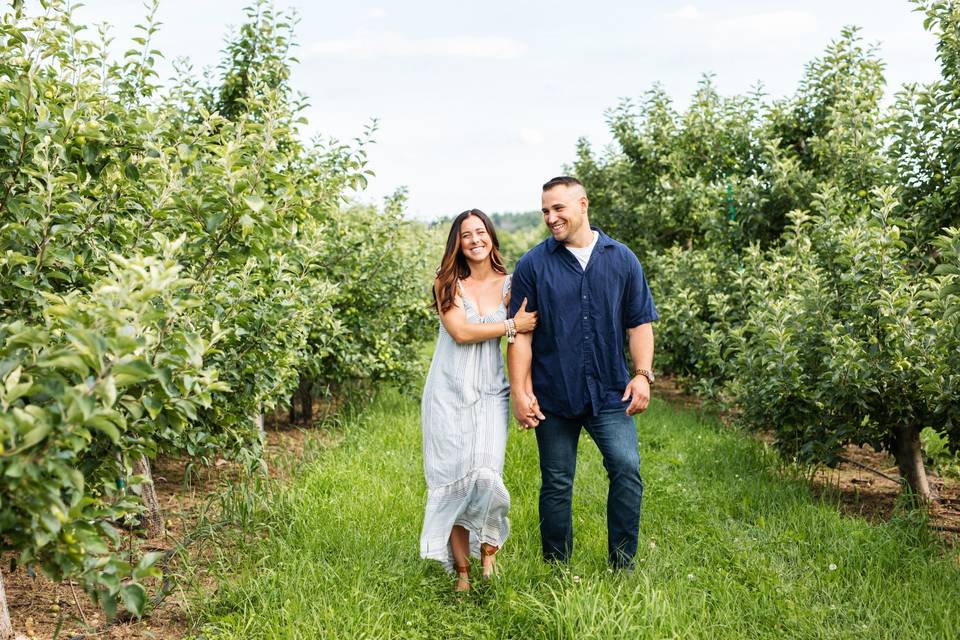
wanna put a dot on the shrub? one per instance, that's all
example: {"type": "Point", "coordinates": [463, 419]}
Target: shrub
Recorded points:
{"type": "Point", "coordinates": [173, 263]}
{"type": "Point", "coordinates": [831, 327]}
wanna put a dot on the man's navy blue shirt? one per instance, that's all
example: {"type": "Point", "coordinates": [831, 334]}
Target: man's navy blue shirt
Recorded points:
{"type": "Point", "coordinates": [578, 346]}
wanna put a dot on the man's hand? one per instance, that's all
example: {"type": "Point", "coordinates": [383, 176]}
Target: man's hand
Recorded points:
{"type": "Point", "coordinates": [526, 409]}
{"type": "Point", "coordinates": [638, 392]}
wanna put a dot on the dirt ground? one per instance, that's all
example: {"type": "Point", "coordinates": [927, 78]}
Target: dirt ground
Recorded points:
{"type": "Point", "coordinates": [865, 493]}
{"type": "Point", "coordinates": [38, 605]}
{"type": "Point", "coordinates": [867, 486]}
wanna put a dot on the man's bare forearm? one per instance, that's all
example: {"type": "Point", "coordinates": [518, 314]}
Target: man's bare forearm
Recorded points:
{"type": "Point", "coordinates": [641, 346]}
{"type": "Point", "coordinates": [526, 409]}
{"type": "Point", "coordinates": [519, 359]}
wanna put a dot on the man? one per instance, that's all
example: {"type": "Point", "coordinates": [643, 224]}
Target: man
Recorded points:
{"type": "Point", "coordinates": [570, 373]}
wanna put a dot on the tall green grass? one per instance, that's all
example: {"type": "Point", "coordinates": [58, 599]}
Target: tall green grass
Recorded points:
{"type": "Point", "coordinates": [732, 546]}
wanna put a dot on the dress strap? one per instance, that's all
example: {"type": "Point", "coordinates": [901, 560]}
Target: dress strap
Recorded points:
{"type": "Point", "coordinates": [506, 286]}
{"type": "Point", "coordinates": [460, 288]}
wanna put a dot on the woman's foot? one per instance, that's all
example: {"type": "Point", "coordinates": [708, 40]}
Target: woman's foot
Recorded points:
{"type": "Point", "coordinates": [463, 578]}
{"type": "Point", "coordinates": [488, 562]}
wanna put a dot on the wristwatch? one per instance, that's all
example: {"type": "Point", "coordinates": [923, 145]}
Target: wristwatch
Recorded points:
{"type": "Point", "coordinates": [646, 374]}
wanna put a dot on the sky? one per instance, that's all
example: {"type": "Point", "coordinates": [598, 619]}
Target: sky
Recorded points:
{"type": "Point", "coordinates": [478, 104]}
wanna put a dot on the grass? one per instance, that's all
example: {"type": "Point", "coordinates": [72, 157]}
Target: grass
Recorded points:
{"type": "Point", "coordinates": [732, 545]}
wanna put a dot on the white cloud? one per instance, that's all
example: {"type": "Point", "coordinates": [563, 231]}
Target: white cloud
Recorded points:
{"type": "Point", "coordinates": [531, 136]}
{"type": "Point", "coordinates": [376, 14]}
{"type": "Point", "coordinates": [686, 12]}
{"type": "Point", "coordinates": [772, 25]}
{"type": "Point", "coordinates": [746, 33]}
{"type": "Point", "coordinates": [386, 44]}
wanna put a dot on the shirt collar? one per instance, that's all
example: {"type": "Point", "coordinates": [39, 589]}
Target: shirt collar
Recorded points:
{"type": "Point", "coordinates": [603, 241]}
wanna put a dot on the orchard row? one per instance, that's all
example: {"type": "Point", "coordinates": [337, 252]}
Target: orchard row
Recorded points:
{"type": "Point", "coordinates": [174, 263]}
{"type": "Point", "coordinates": [804, 251]}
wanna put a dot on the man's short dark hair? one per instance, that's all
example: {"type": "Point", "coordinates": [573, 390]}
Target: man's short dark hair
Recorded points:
{"type": "Point", "coordinates": [566, 181]}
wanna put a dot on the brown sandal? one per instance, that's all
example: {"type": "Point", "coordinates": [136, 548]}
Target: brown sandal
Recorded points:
{"type": "Point", "coordinates": [488, 551]}
{"type": "Point", "coordinates": [463, 578]}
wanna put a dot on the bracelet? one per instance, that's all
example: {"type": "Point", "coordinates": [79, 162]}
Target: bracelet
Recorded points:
{"type": "Point", "coordinates": [511, 330]}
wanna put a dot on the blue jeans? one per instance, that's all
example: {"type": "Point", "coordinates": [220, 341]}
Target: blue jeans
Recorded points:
{"type": "Point", "coordinates": [615, 434]}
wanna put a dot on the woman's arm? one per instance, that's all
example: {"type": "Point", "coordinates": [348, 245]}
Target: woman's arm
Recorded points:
{"type": "Point", "coordinates": [463, 332]}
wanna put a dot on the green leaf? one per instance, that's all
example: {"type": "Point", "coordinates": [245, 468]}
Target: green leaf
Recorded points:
{"type": "Point", "coordinates": [134, 408]}
{"type": "Point", "coordinates": [15, 470]}
{"type": "Point", "coordinates": [40, 538]}
{"type": "Point", "coordinates": [69, 361]}
{"type": "Point", "coordinates": [246, 224]}
{"type": "Point", "coordinates": [255, 202]}
{"type": "Point", "coordinates": [134, 598]}
{"type": "Point", "coordinates": [28, 337]}
{"type": "Point", "coordinates": [89, 153]}
{"type": "Point", "coordinates": [50, 520]}
{"type": "Point", "coordinates": [152, 405]}
{"type": "Point", "coordinates": [17, 391]}
{"type": "Point", "coordinates": [105, 426]}
{"type": "Point", "coordinates": [145, 568]}
{"type": "Point", "coordinates": [186, 152]}
{"type": "Point", "coordinates": [131, 372]}
{"type": "Point", "coordinates": [35, 435]}
{"type": "Point", "coordinates": [108, 601]}
{"type": "Point", "coordinates": [130, 170]}
{"type": "Point", "coordinates": [13, 378]}
{"type": "Point", "coordinates": [214, 220]}
{"type": "Point", "coordinates": [16, 34]}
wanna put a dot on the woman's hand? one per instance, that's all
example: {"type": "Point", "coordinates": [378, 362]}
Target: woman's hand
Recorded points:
{"type": "Point", "coordinates": [525, 321]}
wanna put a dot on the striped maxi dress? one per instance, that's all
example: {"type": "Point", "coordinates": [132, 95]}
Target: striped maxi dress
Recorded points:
{"type": "Point", "coordinates": [465, 409]}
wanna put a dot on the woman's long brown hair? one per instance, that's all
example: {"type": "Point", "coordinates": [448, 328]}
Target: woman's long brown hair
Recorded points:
{"type": "Point", "coordinates": [454, 264]}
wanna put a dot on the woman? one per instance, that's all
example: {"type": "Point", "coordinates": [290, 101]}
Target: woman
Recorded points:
{"type": "Point", "coordinates": [466, 402]}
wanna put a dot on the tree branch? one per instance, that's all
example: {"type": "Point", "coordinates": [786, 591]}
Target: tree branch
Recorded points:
{"type": "Point", "coordinates": [899, 481]}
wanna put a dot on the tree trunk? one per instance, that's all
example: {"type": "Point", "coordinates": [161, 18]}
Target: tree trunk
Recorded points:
{"type": "Point", "coordinates": [6, 627]}
{"type": "Point", "coordinates": [262, 433]}
{"type": "Point", "coordinates": [302, 400]}
{"type": "Point", "coordinates": [909, 455]}
{"type": "Point", "coordinates": [153, 518]}
{"type": "Point", "coordinates": [306, 401]}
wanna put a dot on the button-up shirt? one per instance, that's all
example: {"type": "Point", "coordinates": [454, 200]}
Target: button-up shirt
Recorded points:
{"type": "Point", "coordinates": [578, 363]}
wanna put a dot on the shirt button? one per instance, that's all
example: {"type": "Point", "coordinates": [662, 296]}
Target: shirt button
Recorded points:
{"type": "Point", "coordinates": [584, 297]}
{"type": "Point", "coordinates": [584, 317]}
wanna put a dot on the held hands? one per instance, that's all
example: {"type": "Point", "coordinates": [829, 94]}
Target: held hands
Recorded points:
{"type": "Point", "coordinates": [525, 321]}
{"type": "Point", "coordinates": [526, 409]}
{"type": "Point", "coordinates": [638, 392]}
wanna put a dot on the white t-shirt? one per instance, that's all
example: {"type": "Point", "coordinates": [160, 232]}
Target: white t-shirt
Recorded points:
{"type": "Point", "coordinates": [582, 254]}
